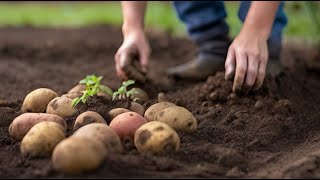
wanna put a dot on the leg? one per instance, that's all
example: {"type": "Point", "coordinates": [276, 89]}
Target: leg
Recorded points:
{"type": "Point", "coordinates": [205, 22]}
{"type": "Point", "coordinates": [275, 39]}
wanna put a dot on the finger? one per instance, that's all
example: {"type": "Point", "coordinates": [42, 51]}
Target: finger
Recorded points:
{"type": "Point", "coordinates": [230, 64]}
{"type": "Point", "coordinates": [144, 61]}
{"type": "Point", "coordinates": [241, 69]}
{"type": "Point", "coordinates": [125, 58]}
{"type": "Point", "coordinates": [252, 72]}
{"type": "Point", "coordinates": [261, 74]}
{"type": "Point", "coordinates": [120, 72]}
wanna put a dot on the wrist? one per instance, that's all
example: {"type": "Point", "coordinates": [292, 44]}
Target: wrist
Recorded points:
{"type": "Point", "coordinates": [256, 31]}
{"type": "Point", "coordinates": [128, 28]}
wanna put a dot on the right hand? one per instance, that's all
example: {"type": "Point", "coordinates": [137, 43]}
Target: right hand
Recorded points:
{"type": "Point", "coordinates": [135, 44]}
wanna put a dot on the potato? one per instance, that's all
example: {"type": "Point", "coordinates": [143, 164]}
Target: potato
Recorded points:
{"type": "Point", "coordinates": [141, 95]}
{"type": "Point", "coordinates": [76, 155]}
{"type": "Point", "coordinates": [136, 107]}
{"type": "Point", "coordinates": [115, 112]}
{"type": "Point", "coordinates": [177, 117]}
{"type": "Point", "coordinates": [23, 123]}
{"type": "Point", "coordinates": [152, 111]}
{"type": "Point", "coordinates": [61, 106]}
{"type": "Point", "coordinates": [78, 88]}
{"type": "Point", "coordinates": [42, 138]}
{"type": "Point", "coordinates": [38, 100]}
{"type": "Point", "coordinates": [157, 138]}
{"type": "Point", "coordinates": [103, 92]}
{"type": "Point", "coordinates": [73, 95]}
{"type": "Point", "coordinates": [126, 124]}
{"type": "Point", "coordinates": [103, 133]}
{"type": "Point", "coordinates": [87, 118]}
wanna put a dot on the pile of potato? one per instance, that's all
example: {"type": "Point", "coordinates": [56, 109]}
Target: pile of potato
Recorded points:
{"type": "Point", "coordinates": [42, 130]}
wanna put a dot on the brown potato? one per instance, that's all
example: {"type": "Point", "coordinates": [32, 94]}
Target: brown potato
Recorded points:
{"type": "Point", "coordinates": [42, 138]}
{"type": "Point", "coordinates": [78, 88]}
{"type": "Point", "coordinates": [23, 123]}
{"type": "Point", "coordinates": [152, 111]}
{"type": "Point", "coordinates": [61, 106]}
{"type": "Point", "coordinates": [136, 107]}
{"type": "Point", "coordinates": [140, 97]}
{"type": "Point", "coordinates": [73, 95]}
{"type": "Point", "coordinates": [126, 124]}
{"type": "Point", "coordinates": [38, 100]}
{"type": "Point", "coordinates": [103, 133]}
{"type": "Point", "coordinates": [87, 118]}
{"type": "Point", "coordinates": [104, 92]}
{"type": "Point", "coordinates": [177, 117]}
{"type": "Point", "coordinates": [115, 112]}
{"type": "Point", "coordinates": [156, 137]}
{"type": "Point", "coordinates": [76, 155]}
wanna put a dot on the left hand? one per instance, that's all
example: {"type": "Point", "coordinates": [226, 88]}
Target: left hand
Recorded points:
{"type": "Point", "coordinates": [246, 61]}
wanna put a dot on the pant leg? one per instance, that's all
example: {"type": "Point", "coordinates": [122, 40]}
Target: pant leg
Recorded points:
{"type": "Point", "coordinates": [205, 23]}
{"type": "Point", "coordinates": [275, 38]}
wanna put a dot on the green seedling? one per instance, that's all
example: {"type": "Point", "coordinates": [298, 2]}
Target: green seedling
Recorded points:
{"type": "Point", "coordinates": [93, 86]}
{"type": "Point", "coordinates": [122, 93]}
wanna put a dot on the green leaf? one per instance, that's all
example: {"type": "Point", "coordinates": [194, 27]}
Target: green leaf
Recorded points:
{"type": "Point", "coordinates": [128, 83]}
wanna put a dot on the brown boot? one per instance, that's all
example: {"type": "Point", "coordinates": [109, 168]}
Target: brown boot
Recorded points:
{"type": "Point", "coordinates": [199, 68]}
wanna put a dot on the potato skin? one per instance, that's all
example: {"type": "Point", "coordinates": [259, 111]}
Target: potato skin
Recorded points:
{"type": "Point", "coordinates": [152, 111]}
{"type": "Point", "coordinates": [126, 124]}
{"type": "Point", "coordinates": [76, 155]}
{"type": "Point", "coordinates": [115, 112]}
{"type": "Point", "coordinates": [103, 133]}
{"type": "Point", "coordinates": [87, 118]}
{"type": "Point", "coordinates": [72, 95]}
{"type": "Point", "coordinates": [177, 117]}
{"type": "Point", "coordinates": [136, 107]}
{"type": "Point", "coordinates": [23, 123]}
{"type": "Point", "coordinates": [37, 100]}
{"type": "Point", "coordinates": [157, 138]}
{"type": "Point", "coordinates": [103, 90]}
{"type": "Point", "coordinates": [42, 138]}
{"type": "Point", "coordinates": [61, 106]}
{"type": "Point", "coordinates": [141, 94]}
{"type": "Point", "coordinates": [78, 88]}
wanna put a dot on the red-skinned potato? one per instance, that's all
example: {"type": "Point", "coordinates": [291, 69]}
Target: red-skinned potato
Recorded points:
{"type": "Point", "coordinates": [126, 124]}
{"type": "Point", "coordinates": [152, 111]}
{"type": "Point", "coordinates": [37, 100]}
{"type": "Point", "coordinates": [23, 123]}
{"type": "Point", "coordinates": [87, 118]}
{"type": "Point", "coordinates": [103, 133]}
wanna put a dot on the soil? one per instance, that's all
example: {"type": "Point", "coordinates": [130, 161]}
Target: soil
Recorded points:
{"type": "Point", "coordinates": [271, 133]}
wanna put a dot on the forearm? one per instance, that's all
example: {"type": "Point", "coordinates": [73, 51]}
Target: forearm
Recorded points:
{"type": "Point", "coordinates": [260, 18]}
{"type": "Point", "coordinates": [133, 15]}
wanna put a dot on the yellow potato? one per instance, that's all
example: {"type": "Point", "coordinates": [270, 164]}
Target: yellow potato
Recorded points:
{"type": "Point", "coordinates": [103, 133]}
{"type": "Point", "coordinates": [141, 96]}
{"type": "Point", "coordinates": [76, 155]}
{"type": "Point", "coordinates": [152, 111]}
{"type": "Point", "coordinates": [42, 138]}
{"type": "Point", "coordinates": [61, 106]}
{"type": "Point", "coordinates": [177, 117]}
{"type": "Point", "coordinates": [87, 118]}
{"type": "Point", "coordinates": [115, 112]}
{"type": "Point", "coordinates": [78, 88]}
{"type": "Point", "coordinates": [136, 107]}
{"type": "Point", "coordinates": [157, 138]}
{"type": "Point", "coordinates": [73, 95]}
{"type": "Point", "coordinates": [38, 100]}
{"type": "Point", "coordinates": [23, 123]}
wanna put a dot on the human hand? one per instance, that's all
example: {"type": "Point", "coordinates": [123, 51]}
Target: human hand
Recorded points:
{"type": "Point", "coordinates": [246, 61]}
{"type": "Point", "coordinates": [134, 46]}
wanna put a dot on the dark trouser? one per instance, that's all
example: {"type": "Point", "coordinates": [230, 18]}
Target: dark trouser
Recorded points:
{"type": "Point", "coordinates": [206, 25]}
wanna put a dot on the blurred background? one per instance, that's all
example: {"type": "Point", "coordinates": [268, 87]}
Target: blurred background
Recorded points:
{"type": "Point", "coordinates": [304, 16]}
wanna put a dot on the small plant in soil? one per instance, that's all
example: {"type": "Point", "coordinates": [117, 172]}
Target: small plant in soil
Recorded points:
{"type": "Point", "coordinates": [123, 93]}
{"type": "Point", "coordinates": [93, 86]}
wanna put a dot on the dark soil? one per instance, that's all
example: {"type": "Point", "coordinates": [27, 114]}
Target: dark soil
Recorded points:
{"type": "Point", "coordinates": [272, 133]}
